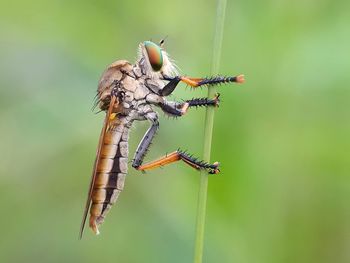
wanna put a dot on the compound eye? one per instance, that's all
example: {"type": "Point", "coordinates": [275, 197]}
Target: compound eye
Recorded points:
{"type": "Point", "coordinates": [154, 55]}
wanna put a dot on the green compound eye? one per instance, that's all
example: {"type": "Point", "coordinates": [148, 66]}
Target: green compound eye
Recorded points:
{"type": "Point", "coordinates": [154, 55]}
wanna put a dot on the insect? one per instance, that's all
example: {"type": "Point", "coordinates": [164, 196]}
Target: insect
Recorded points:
{"type": "Point", "coordinates": [128, 93]}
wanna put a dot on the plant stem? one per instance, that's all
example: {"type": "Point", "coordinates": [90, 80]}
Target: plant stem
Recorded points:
{"type": "Point", "coordinates": [208, 131]}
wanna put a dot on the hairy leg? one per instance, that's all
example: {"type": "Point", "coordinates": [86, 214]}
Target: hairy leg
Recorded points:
{"type": "Point", "coordinates": [180, 108]}
{"type": "Point", "coordinates": [197, 82]}
{"type": "Point", "coordinates": [185, 157]}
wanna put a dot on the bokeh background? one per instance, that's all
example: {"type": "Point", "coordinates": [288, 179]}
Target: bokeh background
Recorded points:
{"type": "Point", "coordinates": [282, 138]}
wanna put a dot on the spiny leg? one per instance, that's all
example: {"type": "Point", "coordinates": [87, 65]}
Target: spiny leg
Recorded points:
{"type": "Point", "coordinates": [146, 140]}
{"type": "Point", "coordinates": [173, 108]}
{"type": "Point", "coordinates": [179, 109]}
{"type": "Point", "coordinates": [185, 157]}
{"type": "Point", "coordinates": [196, 82]}
{"type": "Point", "coordinates": [198, 102]}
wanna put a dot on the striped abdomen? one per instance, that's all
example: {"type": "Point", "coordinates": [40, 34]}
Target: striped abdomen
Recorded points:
{"type": "Point", "coordinates": [111, 169]}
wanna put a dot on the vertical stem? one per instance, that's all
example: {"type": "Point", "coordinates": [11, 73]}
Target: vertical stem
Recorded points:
{"type": "Point", "coordinates": [208, 131]}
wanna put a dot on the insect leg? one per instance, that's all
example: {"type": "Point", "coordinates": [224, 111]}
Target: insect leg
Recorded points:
{"type": "Point", "coordinates": [169, 88]}
{"type": "Point", "coordinates": [185, 157]}
{"type": "Point", "coordinates": [173, 108]}
{"type": "Point", "coordinates": [178, 109]}
{"type": "Point", "coordinates": [197, 82]}
{"type": "Point", "coordinates": [198, 102]}
{"type": "Point", "coordinates": [146, 140]}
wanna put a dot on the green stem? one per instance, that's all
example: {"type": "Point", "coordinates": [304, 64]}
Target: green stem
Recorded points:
{"type": "Point", "coordinates": [208, 131]}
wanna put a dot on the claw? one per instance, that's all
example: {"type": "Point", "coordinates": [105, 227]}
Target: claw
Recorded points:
{"type": "Point", "coordinates": [216, 99]}
{"type": "Point", "coordinates": [240, 78]}
{"type": "Point", "coordinates": [214, 168]}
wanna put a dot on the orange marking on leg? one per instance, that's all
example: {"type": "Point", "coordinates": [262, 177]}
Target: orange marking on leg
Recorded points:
{"type": "Point", "coordinates": [240, 78]}
{"type": "Point", "coordinates": [193, 82]}
{"type": "Point", "coordinates": [170, 158]}
{"type": "Point", "coordinates": [185, 108]}
{"type": "Point", "coordinates": [196, 79]}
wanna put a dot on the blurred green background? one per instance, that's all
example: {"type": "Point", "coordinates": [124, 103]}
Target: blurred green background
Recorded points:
{"type": "Point", "coordinates": [282, 138]}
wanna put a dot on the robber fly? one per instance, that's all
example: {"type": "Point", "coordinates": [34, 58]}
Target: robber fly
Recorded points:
{"type": "Point", "coordinates": [127, 93]}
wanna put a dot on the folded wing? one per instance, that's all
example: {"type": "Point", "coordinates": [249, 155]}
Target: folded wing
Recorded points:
{"type": "Point", "coordinates": [109, 171]}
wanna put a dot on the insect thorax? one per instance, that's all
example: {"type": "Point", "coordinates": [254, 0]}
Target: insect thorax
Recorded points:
{"type": "Point", "coordinates": [136, 82]}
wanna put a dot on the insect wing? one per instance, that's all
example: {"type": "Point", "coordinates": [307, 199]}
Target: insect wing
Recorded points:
{"type": "Point", "coordinates": [98, 153]}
